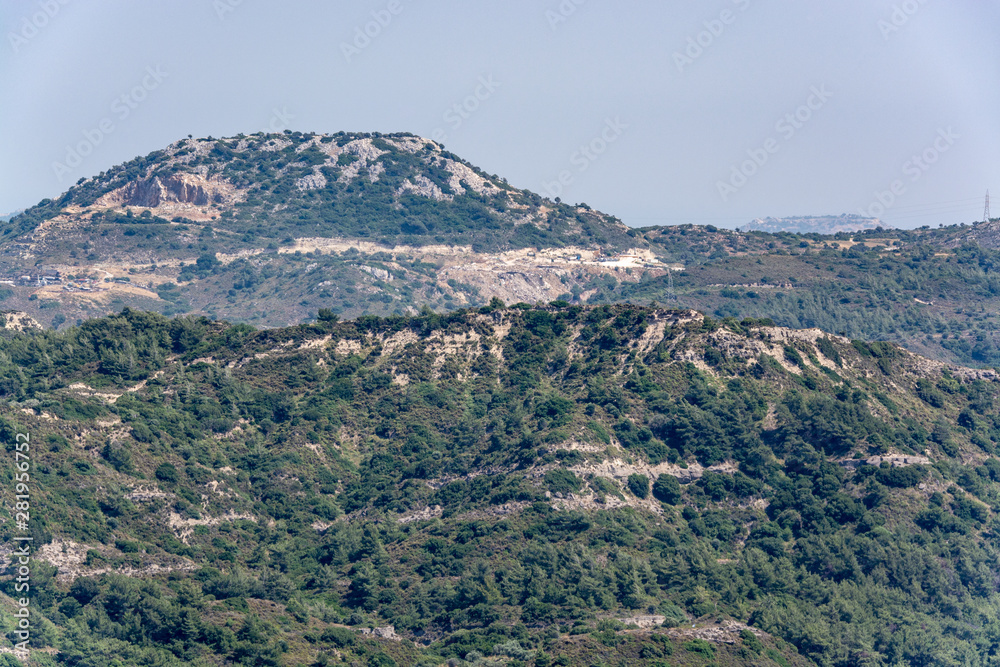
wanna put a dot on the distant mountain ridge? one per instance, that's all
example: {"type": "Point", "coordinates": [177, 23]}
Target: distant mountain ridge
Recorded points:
{"type": "Point", "coordinates": [823, 224]}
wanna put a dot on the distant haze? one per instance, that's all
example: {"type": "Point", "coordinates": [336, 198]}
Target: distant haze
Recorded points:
{"type": "Point", "coordinates": [825, 224]}
{"type": "Point", "coordinates": [658, 112]}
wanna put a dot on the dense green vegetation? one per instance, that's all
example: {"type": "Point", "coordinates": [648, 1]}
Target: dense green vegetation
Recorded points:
{"type": "Point", "coordinates": [519, 482]}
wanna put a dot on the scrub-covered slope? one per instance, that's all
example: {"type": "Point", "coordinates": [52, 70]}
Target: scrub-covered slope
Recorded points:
{"type": "Point", "coordinates": [543, 485]}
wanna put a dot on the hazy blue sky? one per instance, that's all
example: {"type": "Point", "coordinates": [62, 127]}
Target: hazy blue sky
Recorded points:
{"type": "Point", "coordinates": [708, 112]}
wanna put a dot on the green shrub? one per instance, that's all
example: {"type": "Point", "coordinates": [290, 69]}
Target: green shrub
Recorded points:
{"type": "Point", "coordinates": [792, 355]}
{"type": "Point", "coordinates": [166, 472]}
{"type": "Point", "coordinates": [604, 486]}
{"type": "Point", "coordinates": [673, 616]}
{"type": "Point", "coordinates": [902, 477]}
{"type": "Point", "coordinates": [638, 485]}
{"type": "Point", "coordinates": [512, 649]}
{"type": "Point", "coordinates": [599, 431]}
{"type": "Point", "coordinates": [826, 347]}
{"type": "Point", "coordinates": [701, 647]}
{"type": "Point", "coordinates": [338, 637]}
{"type": "Point", "coordinates": [930, 394]}
{"type": "Point", "coordinates": [561, 480]}
{"type": "Point", "coordinates": [751, 641]}
{"type": "Point", "coordinates": [666, 488]}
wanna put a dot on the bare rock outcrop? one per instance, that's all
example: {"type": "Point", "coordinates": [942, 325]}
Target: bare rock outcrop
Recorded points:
{"type": "Point", "coordinates": [643, 620]}
{"type": "Point", "coordinates": [426, 514]}
{"type": "Point", "coordinates": [724, 632]}
{"type": "Point", "coordinates": [385, 632]}
{"type": "Point", "coordinates": [423, 186]}
{"type": "Point", "coordinates": [463, 175]}
{"type": "Point", "coordinates": [16, 320]}
{"type": "Point", "coordinates": [181, 188]}
{"type": "Point", "coordinates": [893, 460]}
{"type": "Point", "coordinates": [313, 181]}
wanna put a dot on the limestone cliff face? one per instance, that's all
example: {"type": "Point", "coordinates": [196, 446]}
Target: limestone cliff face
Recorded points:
{"type": "Point", "coordinates": [181, 188]}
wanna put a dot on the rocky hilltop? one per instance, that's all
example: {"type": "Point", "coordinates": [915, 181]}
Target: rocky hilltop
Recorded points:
{"type": "Point", "coordinates": [393, 189]}
{"type": "Point", "coordinates": [268, 228]}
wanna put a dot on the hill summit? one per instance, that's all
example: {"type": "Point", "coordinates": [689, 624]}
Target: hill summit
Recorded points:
{"type": "Point", "coordinates": [261, 188]}
{"type": "Point", "coordinates": [268, 228]}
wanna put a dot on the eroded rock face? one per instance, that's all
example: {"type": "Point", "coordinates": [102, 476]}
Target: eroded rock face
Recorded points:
{"type": "Point", "coordinates": [174, 189]}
